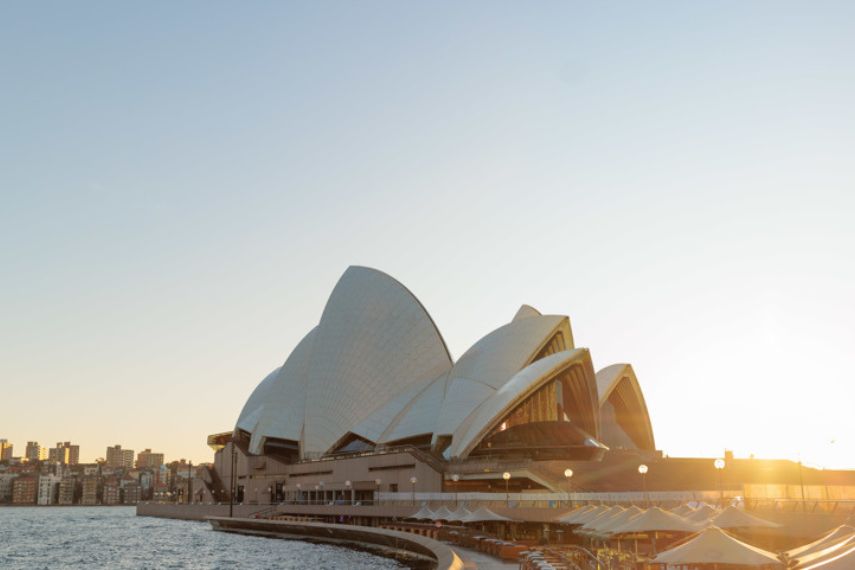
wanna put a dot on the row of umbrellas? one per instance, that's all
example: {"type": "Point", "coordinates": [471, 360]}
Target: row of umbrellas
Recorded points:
{"type": "Point", "coordinates": [833, 551]}
{"type": "Point", "coordinates": [461, 514]}
{"type": "Point", "coordinates": [607, 521]}
{"type": "Point", "coordinates": [711, 542]}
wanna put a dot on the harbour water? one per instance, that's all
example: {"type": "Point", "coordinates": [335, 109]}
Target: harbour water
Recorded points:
{"type": "Point", "coordinates": [35, 538]}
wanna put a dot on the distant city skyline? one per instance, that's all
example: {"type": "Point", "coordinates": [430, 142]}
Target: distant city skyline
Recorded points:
{"type": "Point", "coordinates": [69, 454]}
{"type": "Point", "coordinates": [182, 185]}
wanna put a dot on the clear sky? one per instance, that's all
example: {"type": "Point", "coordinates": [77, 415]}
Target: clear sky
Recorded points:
{"type": "Point", "coordinates": [181, 185]}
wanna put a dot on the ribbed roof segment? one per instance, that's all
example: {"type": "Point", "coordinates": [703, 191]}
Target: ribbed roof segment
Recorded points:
{"type": "Point", "coordinates": [374, 342]}
{"type": "Point", "coordinates": [624, 419]}
{"type": "Point", "coordinates": [375, 345]}
{"type": "Point", "coordinates": [277, 407]}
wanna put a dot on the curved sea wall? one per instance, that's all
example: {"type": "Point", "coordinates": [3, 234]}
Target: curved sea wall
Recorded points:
{"type": "Point", "coordinates": [432, 553]}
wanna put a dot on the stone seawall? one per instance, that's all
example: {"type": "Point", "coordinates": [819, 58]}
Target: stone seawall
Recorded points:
{"type": "Point", "coordinates": [427, 553]}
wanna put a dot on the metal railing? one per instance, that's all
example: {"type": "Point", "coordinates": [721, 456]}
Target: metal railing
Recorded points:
{"type": "Point", "coordinates": [553, 499]}
{"type": "Point", "coordinates": [839, 506]}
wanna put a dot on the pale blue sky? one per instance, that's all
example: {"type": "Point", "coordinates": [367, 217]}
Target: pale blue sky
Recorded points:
{"type": "Point", "coordinates": [183, 183]}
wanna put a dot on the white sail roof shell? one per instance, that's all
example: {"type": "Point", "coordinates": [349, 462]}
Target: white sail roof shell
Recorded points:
{"type": "Point", "coordinates": [609, 379]}
{"type": "Point", "coordinates": [449, 404]}
{"type": "Point", "coordinates": [374, 343]}
{"type": "Point", "coordinates": [513, 392]}
{"type": "Point", "coordinates": [277, 406]}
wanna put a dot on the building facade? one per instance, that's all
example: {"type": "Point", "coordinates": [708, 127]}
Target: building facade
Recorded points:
{"type": "Point", "coordinates": [49, 489]}
{"type": "Point", "coordinates": [120, 458]}
{"type": "Point", "coordinates": [64, 453]}
{"type": "Point", "coordinates": [6, 480]}
{"type": "Point", "coordinates": [150, 460]}
{"type": "Point", "coordinates": [33, 452]}
{"type": "Point", "coordinates": [111, 493]}
{"type": "Point", "coordinates": [131, 492]}
{"type": "Point", "coordinates": [91, 491]}
{"type": "Point", "coordinates": [25, 490]}
{"type": "Point", "coordinates": [5, 450]}
{"type": "Point", "coordinates": [67, 491]}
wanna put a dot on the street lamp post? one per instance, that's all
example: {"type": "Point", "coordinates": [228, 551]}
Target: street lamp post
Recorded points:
{"type": "Point", "coordinates": [349, 486]}
{"type": "Point", "coordinates": [719, 465]}
{"type": "Point", "coordinates": [568, 473]}
{"type": "Point", "coordinates": [642, 469]}
{"type": "Point", "coordinates": [507, 477]}
{"type": "Point", "coordinates": [413, 482]}
{"type": "Point", "coordinates": [323, 493]}
{"type": "Point", "coordinates": [232, 484]}
{"type": "Point", "coordinates": [455, 478]}
{"type": "Point", "coordinates": [377, 484]}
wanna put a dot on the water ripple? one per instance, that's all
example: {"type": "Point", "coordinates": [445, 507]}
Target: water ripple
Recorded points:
{"type": "Point", "coordinates": [78, 538]}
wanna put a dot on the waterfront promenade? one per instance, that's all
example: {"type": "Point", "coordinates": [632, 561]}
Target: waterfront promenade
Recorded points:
{"type": "Point", "coordinates": [514, 529]}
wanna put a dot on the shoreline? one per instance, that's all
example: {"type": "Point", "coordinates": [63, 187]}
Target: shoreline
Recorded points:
{"type": "Point", "coordinates": [2, 506]}
{"type": "Point", "coordinates": [418, 552]}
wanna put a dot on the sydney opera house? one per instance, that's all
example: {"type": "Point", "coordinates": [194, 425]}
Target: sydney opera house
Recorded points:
{"type": "Point", "coordinates": [371, 399]}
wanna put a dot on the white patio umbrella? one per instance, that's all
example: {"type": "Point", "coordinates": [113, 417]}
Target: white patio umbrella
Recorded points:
{"type": "Point", "coordinates": [460, 513]}
{"type": "Point", "coordinates": [683, 510]}
{"type": "Point", "coordinates": [619, 519]}
{"type": "Point", "coordinates": [714, 546]}
{"type": "Point", "coordinates": [731, 517]}
{"type": "Point", "coordinates": [701, 514]}
{"type": "Point", "coordinates": [602, 518]}
{"type": "Point", "coordinates": [653, 521]}
{"type": "Point", "coordinates": [483, 514]}
{"type": "Point", "coordinates": [604, 530]}
{"type": "Point", "coordinates": [831, 537]}
{"type": "Point", "coordinates": [569, 518]}
{"type": "Point", "coordinates": [442, 514]}
{"type": "Point", "coordinates": [835, 558]}
{"type": "Point", "coordinates": [423, 513]}
{"type": "Point", "coordinates": [582, 518]}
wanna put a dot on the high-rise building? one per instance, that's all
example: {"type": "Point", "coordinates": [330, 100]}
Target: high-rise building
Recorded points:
{"type": "Point", "coordinates": [111, 494]}
{"type": "Point", "coordinates": [5, 450]}
{"type": "Point", "coordinates": [33, 452]}
{"type": "Point", "coordinates": [132, 492]}
{"type": "Point", "coordinates": [73, 453]}
{"type": "Point", "coordinates": [6, 480]}
{"type": "Point", "coordinates": [90, 491]}
{"type": "Point", "coordinates": [24, 490]}
{"type": "Point", "coordinates": [57, 455]}
{"type": "Point", "coordinates": [64, 453]}
{"type": "Point", "coordinates": [118, 457]}
{"type": "Point", "coordinates": [49, 489]}
{"type": "Point", "coordinates": [148, 459]}
{"type": "Point", "coordinates": [67, 489]}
